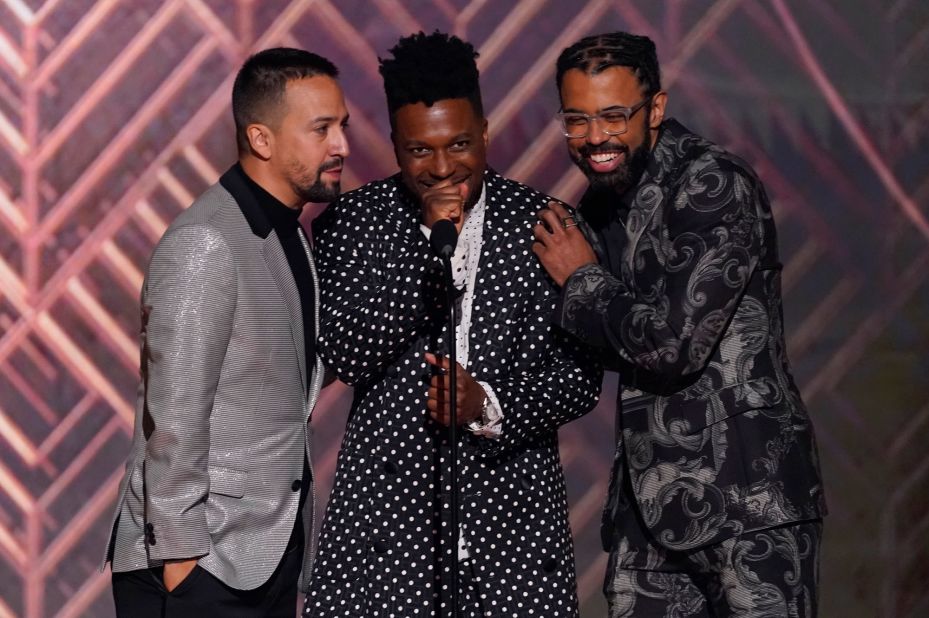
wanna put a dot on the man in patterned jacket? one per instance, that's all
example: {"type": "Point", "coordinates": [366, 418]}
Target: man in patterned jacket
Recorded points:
{"type": "Point", "coordinates": [385, 547]}
{"type": "Point", "coordinates": [716, 502]}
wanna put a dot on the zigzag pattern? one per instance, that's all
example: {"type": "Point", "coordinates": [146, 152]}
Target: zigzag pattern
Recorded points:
{"type": "Point", "coordinates": [114, 115]}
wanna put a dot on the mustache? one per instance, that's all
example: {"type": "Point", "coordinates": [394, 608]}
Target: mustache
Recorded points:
{"type": "Point", "coordinates": [589, 149]}
{"type": "Point", "coordinates": [331, 164]}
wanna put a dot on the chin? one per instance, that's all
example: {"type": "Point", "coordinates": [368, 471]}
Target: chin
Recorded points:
{"type": "Point", "coordinates": [616, 180]}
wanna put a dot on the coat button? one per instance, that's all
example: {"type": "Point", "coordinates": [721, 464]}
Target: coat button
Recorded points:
{"type": "Point", "coordinates": [151, 539]}
{"type": "Point", "coordinates": [381, 546]}
{"type": "Point", "coordinates": [390, 467]}
{"type": "Point", "coordinates": [296, 485]}
{"type": "Point", "coordinates": [525, 481]}
{"type": "Point", "coordinates": [149, 528]}
{"type": "Point", "coordinates": [549, 565]}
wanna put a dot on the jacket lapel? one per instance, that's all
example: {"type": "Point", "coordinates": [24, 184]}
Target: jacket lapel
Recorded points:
{"type": "Point", "coordinates": [650, 196]}
{"type": "Point", "coordinates": [646, 204]}
{"type": "Point", "coordinates": [274, 257]}
{"type": "Point", "coordinates": [497, 236]}
{"type": "Point", "coordinates": [276, 261]}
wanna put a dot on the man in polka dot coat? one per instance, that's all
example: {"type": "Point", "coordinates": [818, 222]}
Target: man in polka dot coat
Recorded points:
{"type": "Point", "coordinates": [385, 547]}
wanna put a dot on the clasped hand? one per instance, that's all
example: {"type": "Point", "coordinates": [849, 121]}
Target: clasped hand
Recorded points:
{"type": "Point", "coordinates": [470, 394]}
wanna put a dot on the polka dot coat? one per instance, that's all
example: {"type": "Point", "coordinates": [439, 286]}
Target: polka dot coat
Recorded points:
{"type": "Point", "coordinates": [385, 547]}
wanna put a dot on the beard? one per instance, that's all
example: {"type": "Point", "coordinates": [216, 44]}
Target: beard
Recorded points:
{"type": "Point", "coordinates": [625, 176]}
{"type": "Point", "coordinates": [312, 188]}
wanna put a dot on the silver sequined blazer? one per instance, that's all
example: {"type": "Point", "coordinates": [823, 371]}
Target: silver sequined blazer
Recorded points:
{"type": "Point", "coordinates": [221, 421]}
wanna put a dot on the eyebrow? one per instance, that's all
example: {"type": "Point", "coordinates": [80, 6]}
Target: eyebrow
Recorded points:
{"type": "Point", "coordinates": [571, 110]}
{"type": "Point", "coordinates": [330, 118]}
{"type": "Point", "coordinates": [410, 143]}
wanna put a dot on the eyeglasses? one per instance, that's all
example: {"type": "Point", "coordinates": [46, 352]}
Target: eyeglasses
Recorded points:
{"type": "Point", "coordinates": [613, 121]}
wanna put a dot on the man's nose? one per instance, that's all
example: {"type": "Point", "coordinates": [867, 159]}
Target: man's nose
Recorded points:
{"type": "Point", "coordinates": [338, 146]}
{"type": "Point", "coordinates": [442, 166]}
{"type": "Point", "coordinates": [595, 134]}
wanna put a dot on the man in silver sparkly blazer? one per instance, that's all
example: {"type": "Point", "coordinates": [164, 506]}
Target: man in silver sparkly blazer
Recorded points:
{"type": "Point", "coordinates": [215, 507]}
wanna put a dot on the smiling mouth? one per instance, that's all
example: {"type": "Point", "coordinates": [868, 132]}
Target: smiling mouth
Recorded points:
{"type": "Point", "coordinates": [605, 161]}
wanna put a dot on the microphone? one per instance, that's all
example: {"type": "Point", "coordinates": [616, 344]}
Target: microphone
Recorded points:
{"type": "Point", "coordinates": [443, 238]}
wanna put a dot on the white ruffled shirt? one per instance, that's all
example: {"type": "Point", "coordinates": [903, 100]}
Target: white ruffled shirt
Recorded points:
{"type": "Point", "coordinates": [464, 275]}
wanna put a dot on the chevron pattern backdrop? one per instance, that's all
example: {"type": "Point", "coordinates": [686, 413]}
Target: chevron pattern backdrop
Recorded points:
{"type": "Point", "coordinates": [114, 115]}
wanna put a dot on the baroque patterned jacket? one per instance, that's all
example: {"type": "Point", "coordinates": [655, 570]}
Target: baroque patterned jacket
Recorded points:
{"type": "Point", "coordinates": [385, 539]}
{"type": "Point", "coordinates": [714, 436]}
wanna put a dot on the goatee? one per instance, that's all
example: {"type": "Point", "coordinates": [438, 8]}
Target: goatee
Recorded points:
{"type": "Point", "coordinates": [319, 191]}
{"type": "Point", "coordinates": [625, 176]}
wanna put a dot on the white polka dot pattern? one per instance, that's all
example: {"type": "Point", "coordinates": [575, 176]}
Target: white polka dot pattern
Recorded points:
{"type": "Point", "coordinates": [379, 550]}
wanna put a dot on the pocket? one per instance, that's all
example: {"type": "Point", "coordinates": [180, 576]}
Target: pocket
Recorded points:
{"type": "Point", "coordinates": [186, 583]}
{"type": "Point", "coordinates": [707, 409]}
{"type": "Point", "coordinates": [227, 481]}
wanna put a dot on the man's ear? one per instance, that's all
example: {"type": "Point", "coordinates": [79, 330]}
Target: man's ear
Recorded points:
{"type": "Point", "coordinates": [657, 109]}
{"type": "Point", "coordinates": [260, 140]}
{"type": "Point", "coordinates": [393, 141]}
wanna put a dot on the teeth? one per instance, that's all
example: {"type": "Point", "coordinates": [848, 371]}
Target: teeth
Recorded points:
{"type": "Point", "coordinates": [603, 157]}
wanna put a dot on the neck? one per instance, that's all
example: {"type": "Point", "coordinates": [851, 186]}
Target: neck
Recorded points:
{"type": "Point", "coordinates": [263, 175]}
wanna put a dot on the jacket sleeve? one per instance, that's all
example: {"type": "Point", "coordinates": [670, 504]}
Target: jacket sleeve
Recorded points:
{"type": "Point", "coordinates": [561, 385]}
{"type": "Point", "coordinates": [187, 315]}
{"type": "Point", "coordinates": [705, 254]}
{"type": "Point", "coordinates": [536, 403]}
{"type": "Point", "coordinates": [373, 293]}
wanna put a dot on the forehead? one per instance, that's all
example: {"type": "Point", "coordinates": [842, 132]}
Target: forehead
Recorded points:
{"type": "Point", "coordinates": [319, 95]}
{"type": "Point", "coordinates": [591, 92]}
{"type": "Point", "coordinates": [443, 119]}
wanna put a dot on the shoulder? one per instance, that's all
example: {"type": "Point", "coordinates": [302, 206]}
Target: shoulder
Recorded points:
{"type": "Point", "coordinates": [700, 179]}
{"type": "Point", "coordinates": [369, 201]}
{"type": "Point", "coordinates": [699, 158]}
{"type": "Point", "coordinates": [512, 194]}
{"type": "Point", "coordinates": [207, 227]}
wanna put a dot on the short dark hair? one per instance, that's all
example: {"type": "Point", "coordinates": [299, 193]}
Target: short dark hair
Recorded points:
{"type": "Point", "coordinates": [598, 52]}
{"type": "Point", "coordinates": [259, 87]}
{"type": "Point", "coordinates": [426, 68]}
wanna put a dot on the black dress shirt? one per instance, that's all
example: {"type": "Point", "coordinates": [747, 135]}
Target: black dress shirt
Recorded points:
{"type": "Point", "coordinates": [286, 223]}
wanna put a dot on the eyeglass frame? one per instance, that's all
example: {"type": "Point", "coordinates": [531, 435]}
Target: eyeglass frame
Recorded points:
{"type": "Point", "coordinates": [628, 112]}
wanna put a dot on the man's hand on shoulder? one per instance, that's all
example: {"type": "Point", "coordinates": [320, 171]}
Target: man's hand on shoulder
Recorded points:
{"type": "Point", "coordinates": [176, 571]}
{"type": "Point", "coordinates": [559, 244]}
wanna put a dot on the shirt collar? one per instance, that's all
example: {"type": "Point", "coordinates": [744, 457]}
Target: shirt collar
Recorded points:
{"type": "Point", "coordinates": [263, 211]}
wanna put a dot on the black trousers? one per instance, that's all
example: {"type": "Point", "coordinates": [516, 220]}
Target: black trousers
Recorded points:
{"type": "Point", "coordinates": [142, 594]}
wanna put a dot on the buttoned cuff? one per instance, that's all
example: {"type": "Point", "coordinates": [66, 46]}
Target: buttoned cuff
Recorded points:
{"type": "Point", "coordinates": [491, 425]}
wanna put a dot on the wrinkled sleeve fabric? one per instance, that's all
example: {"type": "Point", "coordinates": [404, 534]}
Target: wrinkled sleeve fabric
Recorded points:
{"type": "Point", "coordinates": [188, 313]}
{"type": "Point", "coordinates": [670, 321]}
{"type": "Point", "coordinates": [373, 294]}
{"type": "Point", "coordinates": [561, 384]}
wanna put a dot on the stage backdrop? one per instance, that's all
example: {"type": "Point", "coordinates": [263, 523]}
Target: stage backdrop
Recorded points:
{"type": "Point", "coordinates": [114, 115]}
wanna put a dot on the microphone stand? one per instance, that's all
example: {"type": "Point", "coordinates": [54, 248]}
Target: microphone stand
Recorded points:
{"type": "Point", "coordinates": [443, 239]}
{"type": "Point", "coordinates": [453, 428]}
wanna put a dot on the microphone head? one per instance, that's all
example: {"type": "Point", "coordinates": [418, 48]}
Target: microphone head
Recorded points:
{"type": "Point", "coordinates": [443, 238]}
